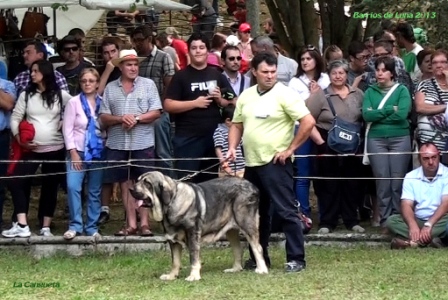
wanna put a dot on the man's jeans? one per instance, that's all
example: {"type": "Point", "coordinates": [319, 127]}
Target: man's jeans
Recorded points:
{"type": "Point", "coordinates": [163, 145]}
{"type": "Point", "coordinates": [93, 188]}
{"type": "Point", "coordinates": [4, 155]}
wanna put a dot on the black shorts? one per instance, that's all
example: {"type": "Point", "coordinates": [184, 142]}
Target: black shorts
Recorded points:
{"type": "Point", "coordinates": [123, 172]}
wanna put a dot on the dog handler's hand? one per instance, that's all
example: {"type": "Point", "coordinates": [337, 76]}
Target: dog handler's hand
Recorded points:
{"type": "Point", "coordinates": [283, 156]}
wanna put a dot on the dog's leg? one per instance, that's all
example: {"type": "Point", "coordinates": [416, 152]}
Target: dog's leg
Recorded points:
{"type": "Point", "coordinates": [194, 246]}
{"type": "Point", "coordinates": [258, 253]}
{"type": "Point", "coordinates": [176, 254]}
{"type": "Point", "coordinates": [234, 239]}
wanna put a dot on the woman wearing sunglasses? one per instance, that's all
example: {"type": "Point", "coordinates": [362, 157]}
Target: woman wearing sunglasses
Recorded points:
{"type": "Point", "coordinates": [84, 144]}
{"type": "Point", "coordinates": [309, 79]}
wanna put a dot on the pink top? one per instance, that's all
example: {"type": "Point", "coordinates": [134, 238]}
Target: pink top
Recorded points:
{"type": "Point", "coordinates": [75, 124]}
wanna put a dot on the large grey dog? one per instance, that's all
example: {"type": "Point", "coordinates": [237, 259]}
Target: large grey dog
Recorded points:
{"type": "Point", "coordinates": [191, 212]}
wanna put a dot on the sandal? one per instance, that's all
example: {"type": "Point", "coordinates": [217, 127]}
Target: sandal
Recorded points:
{"type": "Point", "coordinates": [145, 231]}
{"type": "Point", "coordinates": [126, 231]}
{"type": "Point", "coordinates": [69, 234]}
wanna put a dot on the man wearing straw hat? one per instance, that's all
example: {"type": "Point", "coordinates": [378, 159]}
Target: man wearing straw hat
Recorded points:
{"type": "Point", "coordinates": [129, 108]}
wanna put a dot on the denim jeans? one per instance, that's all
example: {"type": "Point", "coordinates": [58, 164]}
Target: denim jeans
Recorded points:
{"type": "Point", "coordinates": [4, 155]}
{"type": "Point", "coordinates": [163, 145]}
{"type": "Point", "coordinates": [303, 169]}
{"type": "Point", "coordinates": [74, 187]}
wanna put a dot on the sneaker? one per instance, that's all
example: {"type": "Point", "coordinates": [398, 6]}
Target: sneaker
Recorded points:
{"type": "Point", "coordinates": [324, 230]}
{"type": "Point", "coordinates": [45, 231]}
{"type": "Point", "coordinates": [17, 231]}
{"type": "Point", "coordinates": [104, 217]}
{"type": "Point", "coordinates": [358, 229]}
{"type": "Point", "coordinates": [294, 267]}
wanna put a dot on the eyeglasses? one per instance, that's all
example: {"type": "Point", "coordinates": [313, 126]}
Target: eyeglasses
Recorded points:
{"type": "Point", "coordinates": [85, 81]}
{"type": "Point", "coordinates": [232, 58]}
{"type": "Point", "coordinates": [381, 54]}
{"type": "Point", "coordinates": [73, 49]}
{"type": "Point", "coordinates": [362, 58]}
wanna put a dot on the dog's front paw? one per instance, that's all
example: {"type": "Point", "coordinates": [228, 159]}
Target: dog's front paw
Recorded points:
{"type": "Point", "coordinates": [261, 270]}
{"type": "Point", "coordinates": [233, 270]}
{"type": "Point", "coordinates": [168, 277]}
{"type": "Point", "coordinates": [193, 277]}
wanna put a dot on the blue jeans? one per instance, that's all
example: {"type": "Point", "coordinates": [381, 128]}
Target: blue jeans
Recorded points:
{"type": "Point", "coordinates": [163, 144]}
{"type": "Point", "coordinates": [74, 187]}
{"type": "Point", "coordinates": [303, 169]}
{"type": "Point", "coordinates": [4, 155]}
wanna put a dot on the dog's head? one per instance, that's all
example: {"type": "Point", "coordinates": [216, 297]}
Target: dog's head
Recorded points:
{"type": "Point", "coordinates": [153, 190]}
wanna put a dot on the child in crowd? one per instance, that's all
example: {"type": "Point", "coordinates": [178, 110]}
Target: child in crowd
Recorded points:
{"type": "Point", "coordinates": [220, 138]}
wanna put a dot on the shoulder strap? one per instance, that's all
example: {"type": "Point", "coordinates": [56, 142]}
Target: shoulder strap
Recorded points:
{"type": "Point", "coordinates": [241, 84]}
{"type": "Point", "coordinates": [389, 93]}
{"type": "Point", "coordinates": [327, 96]}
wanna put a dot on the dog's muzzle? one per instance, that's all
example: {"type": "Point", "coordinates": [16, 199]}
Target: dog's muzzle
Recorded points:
{"type": "Point", "coordinates": [140, 198]}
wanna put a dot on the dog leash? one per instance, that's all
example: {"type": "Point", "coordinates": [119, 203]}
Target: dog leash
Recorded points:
{"type": "Point", "coordinates": [188, 177]}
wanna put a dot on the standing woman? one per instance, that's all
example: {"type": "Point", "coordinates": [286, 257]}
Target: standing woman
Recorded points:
{"type": "Point", "coordinates": [337, 197]}
{"type": "Point", "coordinates": [84, 143]}
{"type": "Point", "coordinates": [310, 78]}
{"type": "Point", "coordinates": [41, 104]}
{"type": "Point", "coordinates": [389, 133]}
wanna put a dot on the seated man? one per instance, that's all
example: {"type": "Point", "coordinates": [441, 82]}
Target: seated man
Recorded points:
{"type": "Point", "coordinates": [424, 203]}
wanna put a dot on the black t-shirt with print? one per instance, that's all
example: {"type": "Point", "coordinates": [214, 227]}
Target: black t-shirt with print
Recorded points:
{"type": "Point", "coordinates": [189, 84]}
{"type": "Point", "coordinates": [72, 77]}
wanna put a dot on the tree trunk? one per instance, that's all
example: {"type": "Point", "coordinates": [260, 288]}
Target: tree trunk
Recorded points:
{"type": "Point", "coordinates": [253, 16]}
{"type": "Point", "coordinates": [311, 33]}
{"type": "Point", "coordinates": [352, 27]}
{"type": "Point", "coordinates": [325, 21]}
{"type": "Point", "coordinates": [280, 29]}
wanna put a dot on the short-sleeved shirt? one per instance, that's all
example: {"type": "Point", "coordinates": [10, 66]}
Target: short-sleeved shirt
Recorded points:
{"type": "Point", "coordinates": [286, 69]}
{"type": "Point", "coordinates": [72, 76]}
{"type": "Point", "coordinates": [426, 132]}
{"type": "Point", "coordinates": [268, 120]}
{"type": "Point", "coordinates": [157, 66]}
{"type": "Point", "coordinates": [5, 116]}
{"type": "Point", "coordinates": [188, 85]}
{"type": "Point", "coordinates": [426, 194]}
{"type": "Point", "coordinates": [182, 51]}
{"type": "Point", "coordinates": [221, 140]}
{"type": "Point", "coordinates": [143, 98]}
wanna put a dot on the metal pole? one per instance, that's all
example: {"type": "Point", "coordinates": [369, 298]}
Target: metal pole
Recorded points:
{"type": "Point", "coordinates": [253, 16]}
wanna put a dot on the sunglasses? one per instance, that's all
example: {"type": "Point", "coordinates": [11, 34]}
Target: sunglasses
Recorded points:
{"type": "Point", "coordinates": [232, 58]}
{"type": "Point", "coordinates": [68, 49]}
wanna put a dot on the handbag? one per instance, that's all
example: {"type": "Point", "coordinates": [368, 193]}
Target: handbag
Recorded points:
{"type": "Point", "coordinates": [365, 158]}
{"type": "Point", "coordinates": [34, 22]}
{"type": "Point", "coordinates": [344, 137]}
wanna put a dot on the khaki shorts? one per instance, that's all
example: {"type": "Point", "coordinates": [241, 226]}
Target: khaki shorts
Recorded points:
{"type": "Point", "coordinates": [239, 173]}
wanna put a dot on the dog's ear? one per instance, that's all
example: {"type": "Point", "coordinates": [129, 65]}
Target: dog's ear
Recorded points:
{"type": "Point", "coordinates": [166, 189]}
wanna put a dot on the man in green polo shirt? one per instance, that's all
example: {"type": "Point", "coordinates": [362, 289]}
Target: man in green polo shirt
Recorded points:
{"type": "Point", "coordinates": [264, 118]}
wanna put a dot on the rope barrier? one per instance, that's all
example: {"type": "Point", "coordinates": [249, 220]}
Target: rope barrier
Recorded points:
{"type": "Point", "coordinates": [211, 158]}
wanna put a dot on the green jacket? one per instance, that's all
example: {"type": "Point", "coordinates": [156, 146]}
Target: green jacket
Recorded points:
{"type": "Point", "coordinates": [387, 122]}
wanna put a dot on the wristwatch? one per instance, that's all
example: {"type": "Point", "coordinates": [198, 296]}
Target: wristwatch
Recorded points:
{"type": "Point", "coordinates": [427, 224]}
{"type": "Point", "coordinates": [137, 118]}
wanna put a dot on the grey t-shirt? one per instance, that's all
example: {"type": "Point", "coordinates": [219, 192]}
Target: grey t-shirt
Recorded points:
{"type": "Point", "coordinates": [172, 53]}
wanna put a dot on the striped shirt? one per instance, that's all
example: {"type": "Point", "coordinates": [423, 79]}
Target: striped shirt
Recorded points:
{"type": "Point", "coordinates": [427, 132]}
{"type": "Point", "coordinates": [143, 98]}
{"type": "Point", "coordinates": [220, 138]}
{"type": "Point", "coordinates": [157, 66]}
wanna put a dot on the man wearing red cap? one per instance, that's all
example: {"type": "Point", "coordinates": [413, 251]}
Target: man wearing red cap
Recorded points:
{"type": "Point", "coordinates": [244, 45]}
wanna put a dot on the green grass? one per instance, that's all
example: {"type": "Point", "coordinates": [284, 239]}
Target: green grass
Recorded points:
{"type": "Point", "coordinates": [332, 273]}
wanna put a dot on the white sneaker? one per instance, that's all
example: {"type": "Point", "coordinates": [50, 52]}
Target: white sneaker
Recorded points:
{"type": "Point", "coordinates": [358, 229]}
{"type": "Point", "coordinates": [17, 231]}
{"type": "Point", "coordinates": [45, 231]}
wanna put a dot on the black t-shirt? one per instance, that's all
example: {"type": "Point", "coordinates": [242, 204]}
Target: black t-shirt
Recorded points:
{"type": "Point", "coordinates": [189, 84]}
{"type": "Point", "coordinates": [72, 76]}
{"type": "Point", "coordinates": [116, 73]}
